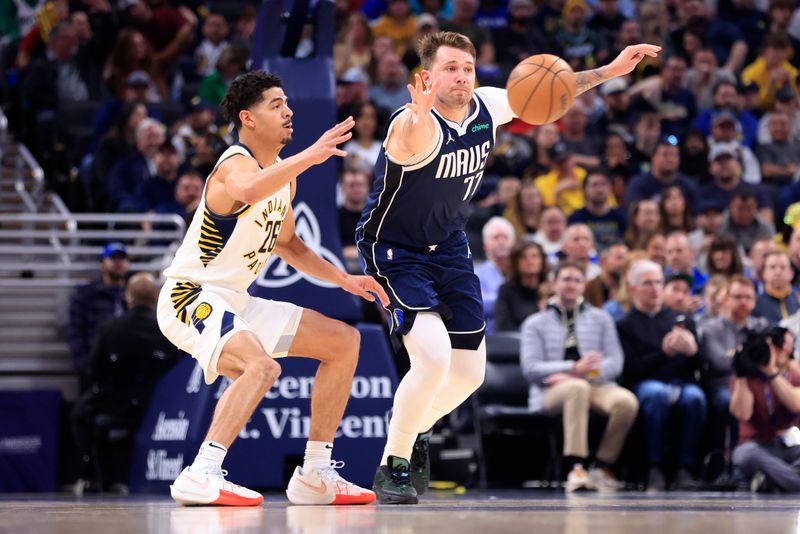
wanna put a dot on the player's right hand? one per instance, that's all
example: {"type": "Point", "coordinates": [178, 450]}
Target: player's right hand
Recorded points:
{"type": "Point", "coordinates": [325, 146]}
{"type": "Point", "coordinates": [422, 100]}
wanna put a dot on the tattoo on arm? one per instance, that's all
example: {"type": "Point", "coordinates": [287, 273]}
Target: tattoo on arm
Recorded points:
{"type": "Point", "coordinates": [587, 79]}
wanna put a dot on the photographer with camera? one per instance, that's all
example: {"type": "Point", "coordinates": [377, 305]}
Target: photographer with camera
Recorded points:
{"type": "Point", "coordinates": [765, 398]}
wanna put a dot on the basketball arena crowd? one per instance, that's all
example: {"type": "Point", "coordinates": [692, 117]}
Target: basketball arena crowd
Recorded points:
{"type": "Point", "coordinates": [644, 249]}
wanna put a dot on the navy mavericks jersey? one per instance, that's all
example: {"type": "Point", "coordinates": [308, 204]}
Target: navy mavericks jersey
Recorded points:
{"type": "Point", "coordinates": [423, 201]}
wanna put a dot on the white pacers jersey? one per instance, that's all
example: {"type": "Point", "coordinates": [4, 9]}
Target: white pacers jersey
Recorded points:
{"type": "Point", "coordinates": [229, 251]}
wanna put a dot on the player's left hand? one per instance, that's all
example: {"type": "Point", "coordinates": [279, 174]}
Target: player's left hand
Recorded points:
{"type": "Point", "coordinates": [364, 286]}
{"type": "Point", "coordinates": [627, 60]}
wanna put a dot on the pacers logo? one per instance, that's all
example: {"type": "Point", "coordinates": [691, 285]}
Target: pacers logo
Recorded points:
{"type": "Point", "coordinates": [200, 314]}
{"type": "Point", "coordinates": [277, 273]}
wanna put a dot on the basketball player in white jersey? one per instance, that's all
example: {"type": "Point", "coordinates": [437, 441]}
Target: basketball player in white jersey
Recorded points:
{"type": "Point", "coordinates": [204, 308]}
{"type": "Point", "coordinates": [411, 239]}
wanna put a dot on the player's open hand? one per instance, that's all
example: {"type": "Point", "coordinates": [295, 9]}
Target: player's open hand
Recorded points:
{"type": "Point", "coordinates": [326, 145]}
{"type": "Point", "coordinates": [422, 98]}
{"type": "Point", "coordinates": [627, 60]}
{"type": "Point", "coordinates": [364, 287]}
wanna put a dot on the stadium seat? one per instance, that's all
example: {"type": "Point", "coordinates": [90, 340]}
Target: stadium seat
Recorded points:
{"type": "Point", "coordinates": [505, 426]}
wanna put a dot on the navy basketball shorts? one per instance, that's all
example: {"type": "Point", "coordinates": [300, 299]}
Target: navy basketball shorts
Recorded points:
{"type": "Point", "coordinates": [440, 279]}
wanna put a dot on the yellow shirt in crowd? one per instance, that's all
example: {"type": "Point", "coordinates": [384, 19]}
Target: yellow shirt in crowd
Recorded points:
{"type": "Point", "coordinates": [757, 72]}
{"type": "Point", "coordinates": [569, 200]}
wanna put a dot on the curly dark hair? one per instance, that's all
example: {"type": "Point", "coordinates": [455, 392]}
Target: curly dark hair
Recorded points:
{"type": "Point", "coordinates": [246, 91]}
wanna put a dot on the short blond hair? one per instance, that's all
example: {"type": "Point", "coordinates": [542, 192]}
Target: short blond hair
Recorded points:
{"type": "Point", "coordinates": [431, 43]}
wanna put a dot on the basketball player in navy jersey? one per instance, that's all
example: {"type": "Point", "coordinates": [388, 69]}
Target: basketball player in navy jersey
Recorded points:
{"type": "Point", "coordinates": [411, 239]}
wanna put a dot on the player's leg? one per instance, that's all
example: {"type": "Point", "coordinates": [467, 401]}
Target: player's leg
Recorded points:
{"type": "Point", "coordinates": [336, 346]}
{"type": "Point", "coordinates": [429, 349]}
{"type": "Point", "coordinates": [253, 372]}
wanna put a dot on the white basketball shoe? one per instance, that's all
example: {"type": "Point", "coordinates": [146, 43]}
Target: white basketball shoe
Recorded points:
{"type": "Point", "coordinates": [325, 486]}
{"type": "Point", "coordinates": [198, 488]}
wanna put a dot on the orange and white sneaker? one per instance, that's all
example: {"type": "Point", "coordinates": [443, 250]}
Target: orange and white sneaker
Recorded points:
{"type": "Point", "coordinates": [198, 488]}
{"type": "Point", "coordinates": [325, 486]}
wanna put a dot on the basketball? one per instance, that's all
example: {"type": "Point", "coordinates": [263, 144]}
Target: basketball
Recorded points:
{"type": "Point", "coordinates": [541, 88]}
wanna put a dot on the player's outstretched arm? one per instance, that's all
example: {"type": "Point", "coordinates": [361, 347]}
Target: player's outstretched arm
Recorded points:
{"type": "Point", "coordinates": [624, 63]}
{"type": "Point", "coordinates": [246, 183]}
{"type": "Point", "coordinates": [414, 129]}
{"type": "Point", "coordinates": [297, 254]}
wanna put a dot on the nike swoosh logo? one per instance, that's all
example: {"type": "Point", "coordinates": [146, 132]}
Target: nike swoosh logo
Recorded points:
{"type": "Point", "coordinates": [321, 489]}
{"type": "Point", "coordinates": [217, 447]}
{"type": "Point", "coordinates": [204, 485]}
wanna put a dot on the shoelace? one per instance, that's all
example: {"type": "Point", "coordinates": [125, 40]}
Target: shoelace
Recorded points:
{"type": "Point", "coordinates": [400, 475]}
{"type": "Point", "coordinates": [331, 474]}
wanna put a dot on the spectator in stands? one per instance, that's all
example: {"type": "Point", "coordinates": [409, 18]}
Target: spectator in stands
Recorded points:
{"type": "Point", "coordinates": [726, 172]}
{"type": "Point", "coordinates": [607, 283]}
{"type": "Point", "coordinates": [766, 406]}
{"type": "Point", "coordinates": [655, 247]}
{"type": "Point", "coordinates": [723, 37]}
{"type": "Point", "coordinates": [608, 20]}
{"type": "Point", "coordinates": [630, 33]}
{"type": "Point", "coordinates": [581, 46]}
{"type": "Point", "coordinates": [522, 295]}
{"type": "Point", "coordinates": [397, 23]}
{"type": "Point", "coordinates": [617, 159]}
{"type": "Point", "coordinates": [563, 185]}
{"type": "Point", "coordinates": [726, 97]}
{"type": "Point", "coordinates": [723, 257]}
{"type": "Point", "coordinates": [675, 104]}
{"type": "Point", "coordinates": [785, 102]}
{"type": "Point", "coordinates": [676, 213]}
{"type": "Point", "coordinates": [742, 222]}
{"type": "Point", "coordinates": [646, 136]}
{"type": "Point", "coordinates": [607, 224]}
{"type": "Point", "coordinates": [713, 300]}
{"type": "Point", "coordinates": [571, 357]}
{"type": "Point", "coordinates": [514, 42]}
{"type": "Point", "coordinates": [188, 193]}
{"type": "Point", "coordinates": [551, 232]}
{"type": "Point", "coordinates": [720, 338]}
{"type": "Point", "coordinates": [681, 260]}
{"type": "Point", "coordinates": [462, 22]}
{"type": "Point", "coordinates": [352, 92]}
{"type": "Point", "coordinates": [779, 299]}
{"type": "Point", "coordinates": [355, 186]}
{"type": "Point", "coordinates": [161, 188]}
{"type": "Point", "coordinates": [794, 254]}
{"type": "Point", "coordinates": [127, 174]}
{"type": "Point", "coordinates": [660, 364]}
{"type": "Point", "coordinates": [725, 128]}
{"type": "Point", "coordinates": [694, 157]}
{"type": "Point", "coordinates": [644, 220]}
{"type": "Point", "coordinates": [231, 63]}
{"type": "Point", "coordinates": [244, 27]}
{"type": "Point", "coordinates": [207, 152]}
{"type": "Point", "coordinates": [618, 113]}
{"type": "Point", "coordinates": [703, 76]}
{"type": "Point", "coordinates": [363, 149]}
{"type": "Point", "coordinates": [664, 172]}
{"type": "Point", "coordinates": [620, 302]}
{"type": "Point", "coordinates": [131, 53]}
{"type": "Point", "coordinates": [117, 145]}
{"type": "Point", "coordinates": [772, 69]}
{"type": "Point", "coordinates": [215, 34]}
{"type": "Point", "coordinates": [584, 147]}
{"type": "Point", "coordinates": [780, 159]}
{"type": "Point", "coordinates": [709, 223]}
{"type": "Point", "coordinates": [544, 137]}
{"type": "Point", "coordinates": [52, 83]}
{"type": "Point", "coordinates": [525, 209]}
{"type": "Point", "coordinates": [579, 247]}
{"type": "Point", "coordinates": [426, 24]}
{"type": "Point", "coordinates": [498, 240]}
{"type": "Point", "coordinates": [389, 91]}
{"type": "Point", "coordinates": [128, 358]}
{"type": "Point", "coordinates": [354, 50]}
{"type": "Point", "coordinates": [93, 303]}
{"type": "Point", "coordinates": [758, 254]}
{"type": "Point", "coordinates": [199, 122]}
{"type": "Point", "coordinates": [678, 292]}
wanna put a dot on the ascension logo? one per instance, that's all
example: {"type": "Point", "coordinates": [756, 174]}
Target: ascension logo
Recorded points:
{"type": "Point", "coordinates": [277, 273]}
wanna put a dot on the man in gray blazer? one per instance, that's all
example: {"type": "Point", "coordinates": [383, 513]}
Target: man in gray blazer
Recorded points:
{"type": "Point", "coordinates": [571, 356]}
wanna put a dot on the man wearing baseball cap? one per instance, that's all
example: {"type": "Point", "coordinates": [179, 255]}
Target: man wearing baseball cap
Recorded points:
{"type": "Point", "coordinates": [95, 302]}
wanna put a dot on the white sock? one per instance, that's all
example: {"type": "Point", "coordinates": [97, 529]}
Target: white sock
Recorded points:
{"type": "Point", "coordinates": [318, 455]}
{"type": "Point", "coordinates": [210, 457]}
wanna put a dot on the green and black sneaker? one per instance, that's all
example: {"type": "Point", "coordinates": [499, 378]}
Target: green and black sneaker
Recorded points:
{"type": "Point", "coordinates": [420, 465]}
{"type": "Point", "coordinates": [393, 484]}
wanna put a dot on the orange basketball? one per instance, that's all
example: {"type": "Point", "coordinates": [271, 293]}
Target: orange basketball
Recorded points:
{"type": "Point", "coordinates": [541, 88]}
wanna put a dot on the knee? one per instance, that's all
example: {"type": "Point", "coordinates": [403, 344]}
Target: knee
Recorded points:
{"type": "Point", "coordinates": [264, 370]}
{"type": "Point", "coordinates": [652, 394]}
{"type": "Point", "coordinates": [626, 405]}
{"type": "Point", "coordinates": [743, 454]}
{"type": "Point", "coordinates": [351, 338]}
{"type": "Point", "coordinates": [693, 398]}
{"type": "Point", "coordinates": [577, 390]}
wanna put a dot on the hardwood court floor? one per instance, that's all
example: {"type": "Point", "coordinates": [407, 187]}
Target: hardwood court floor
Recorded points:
{"type": "Point", "coordinates": [492, 512]}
